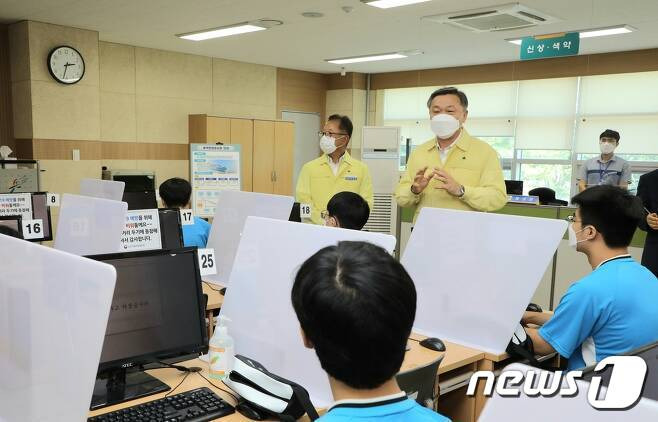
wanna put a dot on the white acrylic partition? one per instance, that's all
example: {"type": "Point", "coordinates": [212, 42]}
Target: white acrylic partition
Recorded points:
{"type": "Point", "coordinates": [476, 272]}
{"type": "Point", "coordinates": [98, 188]}
{"type": "Point", "coordinates": [54, 308]}
{"type": "Point", "coordinates": [264, 325]}
{"type": "Point", "coordinates": [90, 226]}
{"type": "Point", "coordinates": [233, 208]}
{"type": "Point", "coordinates": [559, 408]}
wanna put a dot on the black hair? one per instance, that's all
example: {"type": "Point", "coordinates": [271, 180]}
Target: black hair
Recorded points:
{"type": "Point", "coordinates": [356, 305]}
{"type": "Point", "coordinates": [344, 123]}
{"type": "Point", "coordinates": [609, 133]}
{"type": "Point", "coordinates": [613, 211]}
{"type": "Point", "coordinates": [350, 209]}
{"type": "Point", "coordinates": [450, 90]}
{"type": "Point", "coordinates": [175, 192]}
{"type": "Point", "coordinates": [9, 231]}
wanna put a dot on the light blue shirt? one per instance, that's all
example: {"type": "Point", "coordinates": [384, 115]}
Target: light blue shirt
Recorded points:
{"type": "Point", "coordinates": [396, 409]}
{"type": "Point", "coordinates": [196, 234]}
{"type": "Point", "coordinates": [609, 312]}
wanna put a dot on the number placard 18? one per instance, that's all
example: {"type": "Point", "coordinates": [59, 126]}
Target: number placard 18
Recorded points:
{"type": "Point", "coordinates": [186, 217]}
{"type": "Point", "coordinates": [207, 261]}
{"type": "Point", "coordinates": [32, 229]}
{"type": "Point", "coordinates": [52, 199]}
{"type": "Point", "coordinates": [305, 210]}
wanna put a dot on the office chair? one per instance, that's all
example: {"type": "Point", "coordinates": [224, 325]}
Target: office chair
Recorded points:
{"type": "Point", "coordinates": [547, 197]}
{"type": "Point", "coordinates": [420, 383]}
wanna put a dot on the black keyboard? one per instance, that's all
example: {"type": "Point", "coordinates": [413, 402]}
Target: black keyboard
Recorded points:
{"type": "Point", "coordinates": [198, 405]}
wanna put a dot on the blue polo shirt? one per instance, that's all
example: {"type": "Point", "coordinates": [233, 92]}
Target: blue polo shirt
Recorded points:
{"type": "Point", "coordinates": [397, 408]}
{"type": "Point", "coordinates": [196, 234]}
{"type": "Point", "coordinates": [609, 312]}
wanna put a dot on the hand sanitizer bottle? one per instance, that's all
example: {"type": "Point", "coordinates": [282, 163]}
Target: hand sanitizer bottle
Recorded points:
{"type": "Point", "coordinates": [221, 351]}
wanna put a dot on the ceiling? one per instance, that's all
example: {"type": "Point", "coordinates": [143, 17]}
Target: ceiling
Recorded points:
{"type": "Point", "coordinates": [303, 43]}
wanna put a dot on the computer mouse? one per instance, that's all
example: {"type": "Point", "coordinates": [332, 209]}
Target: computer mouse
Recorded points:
{"type": "Point", "coordinates": [250, 412]}
{"type": "Point", "coordinates": [533, 307]}
{"type": "Point", "coordinates": [433, 343]}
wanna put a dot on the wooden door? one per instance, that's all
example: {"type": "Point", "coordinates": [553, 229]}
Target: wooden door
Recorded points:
{"type": "Point", "coordinates": [284, 143]}
{"type": "Point", "coordinates": [263, 156]}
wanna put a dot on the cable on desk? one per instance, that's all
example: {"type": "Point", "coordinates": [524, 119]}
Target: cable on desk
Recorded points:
{"type": "Point", "coordinates": [211, 287]}
{"type": "Point", "coordinates": [219, 388]}
{"type": "Point", "coordinates": [179, 384]}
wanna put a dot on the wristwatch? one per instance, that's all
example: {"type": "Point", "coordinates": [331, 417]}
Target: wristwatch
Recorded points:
{"type": "Point", "coordinates": [461, 192]}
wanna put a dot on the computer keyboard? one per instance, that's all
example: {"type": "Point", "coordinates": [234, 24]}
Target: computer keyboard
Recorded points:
{"type": "Point", "coordinates": [198, 405]}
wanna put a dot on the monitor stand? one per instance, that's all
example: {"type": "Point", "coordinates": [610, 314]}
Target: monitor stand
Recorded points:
{"type": "Point", "coordinates": [118, 386]}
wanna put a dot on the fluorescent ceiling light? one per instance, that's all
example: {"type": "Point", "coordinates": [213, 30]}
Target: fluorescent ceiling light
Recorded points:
{"type": "Point", "coordinates": [206, 34]}
{"type": "Point", "coordinates": [372, 58]}
{"type": "Point", "coordinates": [590, 33]}
{"type": "Point", "coordinates": [387, 4]}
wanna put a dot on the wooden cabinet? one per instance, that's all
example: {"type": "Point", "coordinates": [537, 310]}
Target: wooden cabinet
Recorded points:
{"type": "Point", "coordinates": [266, 149]}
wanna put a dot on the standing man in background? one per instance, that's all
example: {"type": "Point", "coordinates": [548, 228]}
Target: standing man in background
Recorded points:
{"type": "Point", "coordinates": [605, 169]}
{"type": "Point", "coordinates": [454, 169]}
{"type": "Point", "coordinates": [647, 190]}
{"type": "Point", "coordinates": [334, 171]}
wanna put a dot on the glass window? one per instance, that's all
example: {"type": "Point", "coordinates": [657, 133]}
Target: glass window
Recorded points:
{"type": "Point", "coordinates": [554, 176]}
{"type": "Point", "coordinates": [544, 154]}
{"type": "Point", "coordinates": [504, 145]}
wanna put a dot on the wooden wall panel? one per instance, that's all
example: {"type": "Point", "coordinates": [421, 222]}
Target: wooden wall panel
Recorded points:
{"type": "Point", "coordinates": [242, 133]}
{"type": "Point", "coordinates": [584, 65]}
{"type": "Point", "coordinates": [297, 90]}
{"type": "Point", "coordinates": [351, 80]}
{"type": "Point", "coordinates": [6, 115]}
{"type": "Point", "coordinates": [57, 149]}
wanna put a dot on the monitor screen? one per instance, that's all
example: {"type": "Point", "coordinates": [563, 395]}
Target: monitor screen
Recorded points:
{"type": "Point", "coordinates": [514, 187]}
{"type": "Point", "coordinates": [136, 182]}
{"type": "Point", "coordinates": [171, 231]}
{"type": "Point", "coordinates": [294, 213]}
{"type": "Point", "coordinates": [156, 309]}
{"type": "Point", "coordinates": [10, 225]}
{"type": "Point", "coordinates": [142, 200]}
{"type": "Point", "coordinates": [41, 211]}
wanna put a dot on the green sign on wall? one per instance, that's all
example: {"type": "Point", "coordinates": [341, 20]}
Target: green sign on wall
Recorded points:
{"type": "Point", "coordinates": [550, 46]}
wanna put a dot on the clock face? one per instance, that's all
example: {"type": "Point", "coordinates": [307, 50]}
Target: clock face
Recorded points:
{"type": "Point", "coordinates": [66, 65]}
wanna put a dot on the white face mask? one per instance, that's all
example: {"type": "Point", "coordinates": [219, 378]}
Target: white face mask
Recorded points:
{"type": "Point", "coordinates": [327, 144]}
{"type": "Point", "coordinates": [444, 125]}
{"type": "Point", "coordinates": [573, 239]}
{"type": "Point", "coordinates": [607, 147]}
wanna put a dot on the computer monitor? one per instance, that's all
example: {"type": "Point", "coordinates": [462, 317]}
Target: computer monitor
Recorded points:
{"type": "Point", "coordinates": [11, 225]}
{"type": "Point", "coordinates": [171, 231]}
{"type": "Point", "coordinates": [157, 313]}
{"type": "Point", "coordinates": [142, 200]}
{"type": "Point", "coordinates": [514, 187]}
{"type": "Point", "coordinates": [295, 213]}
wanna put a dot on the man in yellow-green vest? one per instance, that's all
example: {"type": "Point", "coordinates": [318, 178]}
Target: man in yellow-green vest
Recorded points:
{"type": "Point", "coordinates": [334, 171]}
{"type": "Point", "coordinates": [452, 170]}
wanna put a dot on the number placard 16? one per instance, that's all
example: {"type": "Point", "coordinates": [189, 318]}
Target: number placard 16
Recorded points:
{"type": "Point", "coordinates": [32, 229]}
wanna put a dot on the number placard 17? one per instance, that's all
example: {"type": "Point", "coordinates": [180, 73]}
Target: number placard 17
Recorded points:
{"type": "Point", "coordinates": [186, 217]}
{"type": "Point", "coordinates": [32, 229]}
{"type": "Point", "coordinates": [207, 261]}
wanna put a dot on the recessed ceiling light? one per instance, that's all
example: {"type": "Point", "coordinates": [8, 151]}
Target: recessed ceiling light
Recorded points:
{"type": "Point", "coordinates": [590, 33]}
{"type": "Point", "coordinates": [370, 58]}
{"type": "Point", "coordinates": [312, 14]}
{"type": "Point", "coordinates": [387, 4]}
{"type": "Point", "coordinates": [225, 31]}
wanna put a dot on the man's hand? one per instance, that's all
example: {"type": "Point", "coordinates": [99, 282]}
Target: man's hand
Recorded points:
{"type": "Point", "coordinates": [652, 220]}
{"type": "Point", "coordinates": [448, 184]}
{"type": "Point", "coordinates": [420, 181]}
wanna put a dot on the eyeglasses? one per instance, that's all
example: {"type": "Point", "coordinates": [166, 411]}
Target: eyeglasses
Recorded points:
{"type": "Point", "coordinates": [572, 219]}
{"type": "Point", "coordinates": [331, 134]}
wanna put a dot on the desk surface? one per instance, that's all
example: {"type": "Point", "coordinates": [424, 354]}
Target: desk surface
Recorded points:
{"type": "Point", "coordinates": [215, 299]}
{"type": "Point", "coordinates": [456, 355]}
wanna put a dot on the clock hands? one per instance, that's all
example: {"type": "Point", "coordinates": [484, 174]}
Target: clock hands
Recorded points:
{"type": "Point", "coordinates": [66, 67]}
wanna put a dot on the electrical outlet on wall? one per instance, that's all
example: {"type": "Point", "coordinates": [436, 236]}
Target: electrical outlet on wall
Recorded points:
{"type": "Point", "coordinates": [76, 155]}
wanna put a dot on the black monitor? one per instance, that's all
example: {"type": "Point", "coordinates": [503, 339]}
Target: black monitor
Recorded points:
{"type": "Point", "coordinates": [295, 213]}
{"type": "Point", "coordinates": [158, 312]}
{"type": "Point", "coordinates": [142, 200]}
{"type": "Point", "coordinates": [514, 187]}
{"type": "Point", "coordinates": [11, 225]}
{"type": "Point", "coordinates": [650, 355]}
{"type": "Point", "coordinates": [171, 231]}
{"type": "Point", "coordinates": [40, 211]}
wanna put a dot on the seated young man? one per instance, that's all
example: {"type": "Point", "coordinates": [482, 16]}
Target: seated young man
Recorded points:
{"type": "Point", "coordinates": [356, 305]}
{"type": "Point", "coordinates": [613, 309]}
{"type": "Point", "coordinates": [347, 210]}
{"type": "Point", "coordinates": [175, 193]}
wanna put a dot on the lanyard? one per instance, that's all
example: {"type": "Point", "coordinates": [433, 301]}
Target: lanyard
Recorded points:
{"type": "Point", "coordinates": [602, 171]}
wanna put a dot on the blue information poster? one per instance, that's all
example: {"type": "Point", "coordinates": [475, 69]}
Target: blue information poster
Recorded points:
{"type": "Point", "coordinates": [212, 168]}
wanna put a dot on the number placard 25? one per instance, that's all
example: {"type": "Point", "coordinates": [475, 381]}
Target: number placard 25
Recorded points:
{"type": "Point", "coordinates": [207, 261]}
